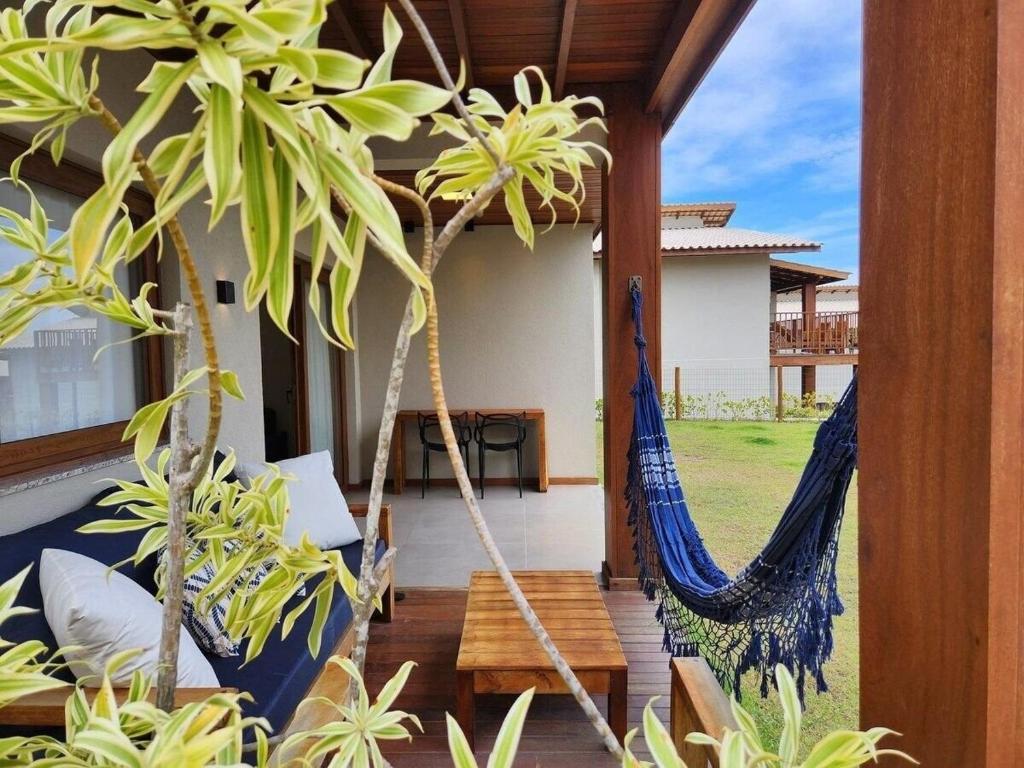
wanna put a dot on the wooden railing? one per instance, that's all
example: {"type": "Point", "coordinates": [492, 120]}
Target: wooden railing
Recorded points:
{"type": "Point", "coordinates": [814, 333]}
{"type": "Point", "coordinates": [698, 705]}
{"type": "Point", "coordinates": [65, 350]}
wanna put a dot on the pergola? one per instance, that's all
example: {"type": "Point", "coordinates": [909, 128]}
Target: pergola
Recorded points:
{"type": "Point", "coordinates": [942, 285]}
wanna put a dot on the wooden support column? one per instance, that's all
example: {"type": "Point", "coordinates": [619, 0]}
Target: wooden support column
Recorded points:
{"type": "Point", "coordinates": [809, 305]}
{"type": "Point", "coordinates": [942, 380]}
{"type": "Point", "coordinates": [631, 245]}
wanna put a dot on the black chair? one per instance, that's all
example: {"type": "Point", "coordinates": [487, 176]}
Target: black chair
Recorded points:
{"type": "Point", "coordinates": [500, 432]}
{"type": "Point", "coordinates": [433, 440]}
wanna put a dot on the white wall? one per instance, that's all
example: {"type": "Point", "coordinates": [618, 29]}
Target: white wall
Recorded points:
{"type": "Point", "coordinates": [516, 332]}
{"type": "Point", "coordinates": [714, 323]}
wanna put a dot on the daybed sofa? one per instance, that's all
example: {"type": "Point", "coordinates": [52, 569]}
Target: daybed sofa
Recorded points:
{"type": "Point", "coordinates": [278, 679]}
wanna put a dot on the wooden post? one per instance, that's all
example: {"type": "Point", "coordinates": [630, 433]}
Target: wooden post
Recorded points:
{"type": "Point", "coordinates": [942, 380]}
{"type": "Point", "coordinates": [679, 394]}
{"type": "Point", "coordinates": [780, 404]}
{"type": "Point", "coordinates": [631, 245]}
{"type": "Point", "coordinates": [809, 306]}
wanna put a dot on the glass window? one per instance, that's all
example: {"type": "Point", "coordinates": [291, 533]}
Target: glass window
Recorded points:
{"type": "Point", "coordinates": [51, 378]}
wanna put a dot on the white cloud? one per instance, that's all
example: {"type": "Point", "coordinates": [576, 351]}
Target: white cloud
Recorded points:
{"type": "Point", "coordinates": [782, 98]}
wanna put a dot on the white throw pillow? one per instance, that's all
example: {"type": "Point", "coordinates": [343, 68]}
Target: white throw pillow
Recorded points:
{"type": "Point", "coordinates": [245, 471]}
{"type": "Point", "coordinates": [317, 506]}
{"type": "Point", "coordinates": [103, 613]}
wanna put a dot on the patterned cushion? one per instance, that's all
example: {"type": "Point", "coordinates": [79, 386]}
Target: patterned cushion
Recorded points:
{"type": "Point", "coordinates": [205, 622]}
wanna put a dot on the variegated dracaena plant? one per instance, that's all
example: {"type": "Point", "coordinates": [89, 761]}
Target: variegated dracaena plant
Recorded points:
{"type": "Point", "coordinates": [743, 748]}
{"type": "Point", "coordinates": [265, 138]}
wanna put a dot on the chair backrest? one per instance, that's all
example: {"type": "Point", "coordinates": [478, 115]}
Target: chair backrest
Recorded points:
{"type": "Point", "coordinates": [430, 427]}
{"type": "Point", "coordinates": [501, 427]}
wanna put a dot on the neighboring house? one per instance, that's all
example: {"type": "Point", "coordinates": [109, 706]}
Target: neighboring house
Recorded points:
{"type": "Point", "coordinates": [839, 301]}
{"type": "Point", "coordinates": [720, 288]}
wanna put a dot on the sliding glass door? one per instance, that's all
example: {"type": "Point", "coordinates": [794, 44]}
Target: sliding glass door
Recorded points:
{"type": "Point", "coordinates": [324, 380]}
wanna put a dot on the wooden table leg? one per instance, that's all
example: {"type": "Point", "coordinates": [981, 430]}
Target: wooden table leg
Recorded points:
{"type": "Point", "coordinates": [398, 446]}
{"type": "Point", "coordinates": [617, 704]}
{"type": "Point", "coordinates": [542, 455]}
{"type": "Point", "coordinates": [465, 706]}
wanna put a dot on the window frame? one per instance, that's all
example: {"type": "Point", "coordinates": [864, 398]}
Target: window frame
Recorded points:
{"type": "Point", "coordinates": [61, 451]}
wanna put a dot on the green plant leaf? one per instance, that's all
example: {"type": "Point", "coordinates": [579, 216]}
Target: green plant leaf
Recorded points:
{"type": "Point", "coordinates": [281, 286]}
{"type": "Point", "coordinates": [462, 755]}
{"type": "Point", "coordinates": [789, 741]}
{"type": "Point", "coordinates": [338, 69]}
{"type": "Point", "coordinates": [229, 381]}
{"type": "Point", "coordinates": [260, 217]}
{"type": "Point", "coordinates": [507, 743]}
{"type": "Point", "coordinates": [220, 157]}
{"type": "Point", "coordinates": [658, 739]}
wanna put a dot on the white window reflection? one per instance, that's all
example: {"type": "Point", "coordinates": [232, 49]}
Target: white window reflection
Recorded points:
{"type": "Point", "coordinates": [49, 381]}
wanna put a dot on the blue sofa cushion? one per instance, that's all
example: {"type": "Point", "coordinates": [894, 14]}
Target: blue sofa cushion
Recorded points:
{"type": "Point", "coordinates": [281, 675]}
{"type": "Point", "coordinates": [278, 679]}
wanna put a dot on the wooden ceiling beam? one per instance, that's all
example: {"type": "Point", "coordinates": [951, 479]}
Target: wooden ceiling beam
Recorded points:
{"type": "Point", "coordinates": [458, 13]}
{"type": "Point", "coordinates": [698, 33]}
{"type": "Point", "coordinates": [342, 13]}
{"type": "Point", "coordinates": [564, 42]}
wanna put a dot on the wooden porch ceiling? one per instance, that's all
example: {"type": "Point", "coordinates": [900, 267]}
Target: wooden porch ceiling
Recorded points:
{"type": "Point", "coordinates": [664, 47]}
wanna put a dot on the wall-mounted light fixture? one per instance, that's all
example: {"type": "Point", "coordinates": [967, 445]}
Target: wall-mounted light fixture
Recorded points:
{"type": "Point", "coordinates": [225, 292]}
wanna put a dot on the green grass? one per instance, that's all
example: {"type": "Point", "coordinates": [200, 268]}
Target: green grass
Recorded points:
{"type": "Point", "coordinates": [738, 478]}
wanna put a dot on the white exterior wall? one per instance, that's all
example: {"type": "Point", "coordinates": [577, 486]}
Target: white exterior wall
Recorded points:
{"type": "Point", "coordinates": [714, 324]}
{"type": "Point", "coordinates": [516, 332]}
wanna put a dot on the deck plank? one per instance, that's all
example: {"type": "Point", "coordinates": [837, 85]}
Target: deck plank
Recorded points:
{"type": "Point", "coordinates": [427, 629]}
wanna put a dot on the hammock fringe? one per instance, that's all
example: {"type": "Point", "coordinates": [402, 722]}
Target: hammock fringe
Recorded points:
{"type": "Point", "coordinates": [780, 608]}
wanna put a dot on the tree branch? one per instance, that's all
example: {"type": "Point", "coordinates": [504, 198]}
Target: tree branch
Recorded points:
{"type": "Point", "coordinates": [186, 469]}
{"type": "Point", "coordinates": [195, 289]}
{"type": "Point", "coordinates": [446, 78]}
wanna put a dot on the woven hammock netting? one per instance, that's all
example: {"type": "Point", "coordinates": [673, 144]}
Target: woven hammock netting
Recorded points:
{"type": "Point", "coordinates": [780, 607]}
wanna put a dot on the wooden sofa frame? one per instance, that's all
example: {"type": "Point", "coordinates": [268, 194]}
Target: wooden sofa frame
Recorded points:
{"type": "Point", "coordinates": [46, 709]}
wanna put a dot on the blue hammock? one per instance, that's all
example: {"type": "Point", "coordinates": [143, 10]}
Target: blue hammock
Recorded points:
{"type": "Point", "coordinates": [779, 608]}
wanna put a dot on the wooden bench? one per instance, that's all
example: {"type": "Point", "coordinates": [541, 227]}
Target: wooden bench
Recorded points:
{"type": "Point", "coordinates": [698, 704]}
{"type": "Point", "coordinates": [499, 654]}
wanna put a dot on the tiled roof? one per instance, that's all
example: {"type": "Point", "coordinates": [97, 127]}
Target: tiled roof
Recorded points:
{"type": "Point", "coordinates": [730, 238]}
{"type": "Point", "coordinates": [710, 239]}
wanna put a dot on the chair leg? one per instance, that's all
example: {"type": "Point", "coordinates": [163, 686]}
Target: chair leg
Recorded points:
{"type": "Point", "coordinates": [425, 481]}
{"type": "Point", "coordinates": [519, 466]}
{"type": "Point", "coordinates": [481, 454]}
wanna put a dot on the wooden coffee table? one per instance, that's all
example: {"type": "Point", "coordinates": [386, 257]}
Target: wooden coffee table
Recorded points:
{"type": "Point", "coordinates": [498, 653]}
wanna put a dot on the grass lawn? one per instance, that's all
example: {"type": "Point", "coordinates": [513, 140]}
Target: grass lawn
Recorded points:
{"type": "Point", "coordinates": [738, 478]}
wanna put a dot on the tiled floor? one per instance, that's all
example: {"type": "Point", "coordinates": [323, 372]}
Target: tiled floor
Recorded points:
{"type": "Point", "coordinates": [438, 546]}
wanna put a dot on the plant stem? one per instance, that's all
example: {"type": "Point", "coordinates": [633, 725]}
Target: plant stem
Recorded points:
{"type": "Point", "coordinates": [368, 585]}
{"type": "Point", "coordinates": [177, 512]}
{"type": "Point", "coordinates": [491, 548]}
{"type": "Point", "coordinates": [387, 422]}
{"type": "Point", "coordinates": [195, 289]}
{"type": "Point", "coordinates": [446, 78]}
{"type": "Point", "coordinates": [186, 469]}
{"type": "Point", "coordinates": [455, 456]}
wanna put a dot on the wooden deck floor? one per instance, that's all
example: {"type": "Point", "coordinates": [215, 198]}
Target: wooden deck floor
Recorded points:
{"type": "Point", "coordinates": [426, 630]}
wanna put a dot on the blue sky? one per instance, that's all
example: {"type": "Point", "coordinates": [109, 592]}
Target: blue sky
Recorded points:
{"type": "Point", "coordinates": [775, 128]}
